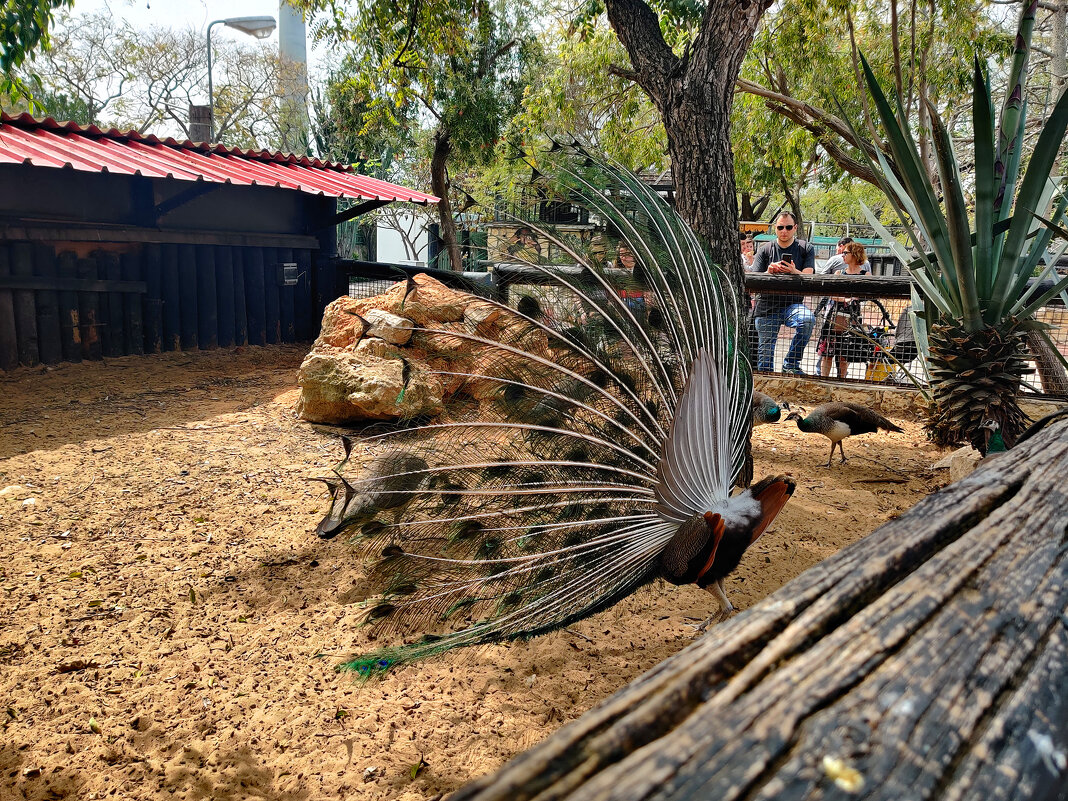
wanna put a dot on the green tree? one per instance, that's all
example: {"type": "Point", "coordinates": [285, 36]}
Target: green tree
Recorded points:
{"type": "Point", "coordinates": [459, 64]}
{"type": "Point", "coordinates": [24, 26]}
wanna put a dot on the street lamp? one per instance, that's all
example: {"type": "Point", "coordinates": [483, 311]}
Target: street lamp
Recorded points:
{"type": "Point", "coordinates": [260, 27]}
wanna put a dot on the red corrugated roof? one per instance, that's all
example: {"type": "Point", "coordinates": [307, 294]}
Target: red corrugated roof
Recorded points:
{"type": "Point", "coordinates": [47, 143]}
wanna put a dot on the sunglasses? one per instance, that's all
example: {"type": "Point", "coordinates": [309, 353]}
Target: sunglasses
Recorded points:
{"type": "Point", "coordinates": [784, 228]}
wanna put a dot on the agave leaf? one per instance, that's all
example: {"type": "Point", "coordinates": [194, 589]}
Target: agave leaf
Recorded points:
{"type": "Point", "coordinates": [985, 184]}
{"type": "Point", "coordinates": [1040, 242]}
{"type": "Point", "coordinates": [1042, 299]}
{"type": "Point", "coordinates": [1031, 189]}
{"type": "Point", "coordinates": [957, 223]}
{"type": "Point", "coordinates": [1013, 114]}
{"type": "Point", "coordinates": [929, 216]}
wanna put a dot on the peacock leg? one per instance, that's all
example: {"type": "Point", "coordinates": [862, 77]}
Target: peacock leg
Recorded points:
{"type": "Point", "coordinates": [726, 607]}
{"type": "Point", "coordinates": [832, 454]}
{"type": "Point", "coordinates": [841, 450]}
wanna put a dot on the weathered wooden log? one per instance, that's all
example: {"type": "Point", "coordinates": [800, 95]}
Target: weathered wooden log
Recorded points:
{"type": "Point", "coordinates": [224, 289]}
{"type": "Point", "coordinates": [69, 330]}
{"type": "Point", "coordinates": [134, 333]}
{"type": "Point", "coordinates": [9, 341]}
{"type": "Point", "coordinates": [25, 305]}
{"type": "Point", "coordinates": [927, 661]}
{"type": "Point", "coordinates": [48, 320]}
{"type": "Point", "coordinates": [170, 291]}
{"type": "Point", "coordinates": [207, 298]}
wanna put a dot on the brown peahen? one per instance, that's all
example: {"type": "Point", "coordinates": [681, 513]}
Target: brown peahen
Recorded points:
{"type": "Point", "coordinates": [587, 472]}
{"type": "Point", "coordinates": [841, 419]}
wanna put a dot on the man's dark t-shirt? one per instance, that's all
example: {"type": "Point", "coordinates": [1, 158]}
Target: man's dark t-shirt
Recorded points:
{"type": "Point", "coordinates": [804, 258]}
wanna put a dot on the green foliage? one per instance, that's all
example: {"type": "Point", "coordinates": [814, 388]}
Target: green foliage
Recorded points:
{"type": "Point", "coordinates": [978, 280]}
{"type": "Point", "coordinates": [24, 27]}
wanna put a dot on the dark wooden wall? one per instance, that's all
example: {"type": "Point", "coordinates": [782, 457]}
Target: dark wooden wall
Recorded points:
{"type": "Point", "coordinates": [69, 302]}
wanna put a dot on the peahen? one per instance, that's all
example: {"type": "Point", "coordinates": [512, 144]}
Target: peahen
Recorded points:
{"type": "Point", "coordinates": [611, 426]}
{"type": "Point", "coordinates": [766, 409]}
{"type": "Point", "coordinates": [841, 419]}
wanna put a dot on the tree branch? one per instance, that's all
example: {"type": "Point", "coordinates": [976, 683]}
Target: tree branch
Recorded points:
{"type": "Point", "coordinates": [638, 28]}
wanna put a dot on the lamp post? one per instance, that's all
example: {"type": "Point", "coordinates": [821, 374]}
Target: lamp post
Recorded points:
{"type": "Point", "coordinates": [260, 27]}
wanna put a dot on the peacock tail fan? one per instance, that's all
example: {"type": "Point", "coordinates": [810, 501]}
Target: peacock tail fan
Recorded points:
{"type": "Point", "coordinates": [594, 426]}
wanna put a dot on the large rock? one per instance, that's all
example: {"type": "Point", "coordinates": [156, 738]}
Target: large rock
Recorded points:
{"type": "Point", "coordinates": [382, 358]}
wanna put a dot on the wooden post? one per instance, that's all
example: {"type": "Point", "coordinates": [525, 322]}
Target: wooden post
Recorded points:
{"type": "Point", "coordinates": [240, 300]}
{"type": "Point", "coordinates": [88, 311]}
{"type": "Point", "coordinates": [134, 340]}
{"type": "Point", "coordinates": [273, 316]}
{"type": "Point", "coordinates": [171, 294]}
{"type": "Point", "coordinates": [207, 298]}
{"type": "Point", "coordinates": [302, 310]}
{"type": "Point", "coordinates": [70, 334]}
{"type": "Point", "coordinates": [48, 322]}
{"type": "Point", "coordinates": [927, 661]}
{"type": "Point", "coordinates": [111, 311]}
{"type": "Point", "coordinates": [286, 300]}
{"type": "Point", "coordinates": [187, 288]}
{"type": "Point", "coordinates": [9, 343]}
{"type": "Point", "coordinates": [152, 300]}
{"type": "Point", "coordinates": [25, 305]}
{"type": "Point", "coordinates": [224, 287]}
{"type": "Point", "coordinates": [254, 296]}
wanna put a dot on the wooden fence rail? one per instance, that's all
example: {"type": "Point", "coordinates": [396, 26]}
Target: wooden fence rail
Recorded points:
{"type": "Point", "coordinates": [927, 661]}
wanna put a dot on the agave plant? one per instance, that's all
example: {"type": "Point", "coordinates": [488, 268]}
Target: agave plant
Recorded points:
{"type": "Point", "coordinates": [978, 305]}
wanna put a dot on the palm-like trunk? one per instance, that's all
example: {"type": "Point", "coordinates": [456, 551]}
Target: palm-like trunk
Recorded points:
{"type": "Point", "coordinates": [976, 377]}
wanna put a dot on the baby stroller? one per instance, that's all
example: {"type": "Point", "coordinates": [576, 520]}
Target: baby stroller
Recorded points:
{"type": "Point", "coordinates": [890, 361]}
{"type": "Point", "coordinates": [854, 331]}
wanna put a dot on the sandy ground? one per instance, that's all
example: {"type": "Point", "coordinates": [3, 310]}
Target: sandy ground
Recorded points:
{"type": "Point", "coordinates": [171, 625]}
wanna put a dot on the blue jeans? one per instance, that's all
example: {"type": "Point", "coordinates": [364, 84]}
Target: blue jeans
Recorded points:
{"type": "Point", "coordinates": [796, 316]}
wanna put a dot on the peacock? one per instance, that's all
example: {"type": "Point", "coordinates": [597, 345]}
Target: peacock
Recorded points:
{"type": "Point", "coordinates": [610, 425]}
{"type": "Point", "coordinates": [766, 409]}
{"type": "Point", "coordinates": [840, 419]}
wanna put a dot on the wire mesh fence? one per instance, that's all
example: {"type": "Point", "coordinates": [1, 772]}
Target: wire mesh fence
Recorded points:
{"type": "Point", "coordinates": [860, 331]}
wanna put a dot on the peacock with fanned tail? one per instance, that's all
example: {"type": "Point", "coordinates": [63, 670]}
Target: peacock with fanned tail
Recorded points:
{"type": "Point", "coordinates": [612, 427]}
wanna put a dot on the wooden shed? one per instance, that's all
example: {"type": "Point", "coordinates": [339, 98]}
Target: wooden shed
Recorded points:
{"type": "Point", "coordinates": [115, 243]}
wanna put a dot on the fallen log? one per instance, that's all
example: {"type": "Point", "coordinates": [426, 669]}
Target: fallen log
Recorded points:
{"type": "Point", "coordinates": [927, 661]}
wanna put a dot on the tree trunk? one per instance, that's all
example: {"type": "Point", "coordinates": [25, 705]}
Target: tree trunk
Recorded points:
{"type": "Point", "coordinates": [927, 661]}
{"type": "Point", "coordinates": [1050, 370]}
{"type": "Point", "coordinates": [439, 184]}
{"type": "Point", "coordinates": [694, 96]}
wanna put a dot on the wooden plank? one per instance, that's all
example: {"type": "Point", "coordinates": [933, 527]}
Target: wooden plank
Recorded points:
{"type": "Point", "coordinates": [207, 298]}
{"type": "Point", "coordinates": [171, 294]}
{"type": "Point", "coordinates": [272, 297]}
{"type": "Point", "coordinates": [303, 310]}
{"type": "Point", "coordinates": [224, 287]}
{"type": "Point", "coordinates": [9, 347]}
{"type": "Point", "coordinates": [286, 300]}
{"type": "Point", "coordinates": [47, 300]}
{"type": "Point", "coordinates": [50, 283]}
{"type": "Point", "coordinates": [25, 306]}
{"type": "Point", "coordinates": [125, 233]}
{"type": "Point", "coordinates": [112, 324]}
{"type": "Point", "coordinates": [240, 299]}
{"type": "Point", "coordinates": [187, 291]}
{"type": "Point", "coordinates": [69, 330]}
{"type": "Point", "coordinates": [255, 300]}
{"type": "Point", "coordinates": [134, 340]}
{"type": "Point", "coordinates": [911, 657]}
{"type": "Point", "coordinates": [89, 311]}
{"type": "Point", "coordinates": [152, 300]}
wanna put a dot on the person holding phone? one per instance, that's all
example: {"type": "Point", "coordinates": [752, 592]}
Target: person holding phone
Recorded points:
{"type": "Point", "coordinates": [786, 255]}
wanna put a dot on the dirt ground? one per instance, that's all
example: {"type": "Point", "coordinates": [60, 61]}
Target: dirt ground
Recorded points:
{"type": "Point", "coordinates": [171, 624]}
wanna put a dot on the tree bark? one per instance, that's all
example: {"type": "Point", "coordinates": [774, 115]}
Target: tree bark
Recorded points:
{"type": "Point", "coordinates": [1050, 370]}
{"type": "Point", "coordinates": [439, 183]}
{"type": "Point", "coordinates": [694, 95]}
{"type": "Point", "coordinates": [927, 661]}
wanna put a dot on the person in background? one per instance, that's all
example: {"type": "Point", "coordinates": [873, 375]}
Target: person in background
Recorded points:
{"type": "Point", "coordinates": [836, 263]}
{"type": "Point", "coordinates": [748, 246]}
{"type": "Point", "coordinates": [786, 255]}
{"type": "Point", "coordinates": [854, 259]}
{"type": "Point", "coordinates": [634, 298]}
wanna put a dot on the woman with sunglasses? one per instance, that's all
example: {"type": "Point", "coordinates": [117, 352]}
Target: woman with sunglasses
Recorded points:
{"type": "Point", "coordinates": [787, 255]}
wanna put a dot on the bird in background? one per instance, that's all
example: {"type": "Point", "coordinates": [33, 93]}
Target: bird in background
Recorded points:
{"type": "Point", "coordinates": [841, 419]}
{"type": "Point", "coordinates": [766, 409]}
{"type": "Point", "coordinates": [995, 442]}
{"type": "Point", "coordinates": [588, 473]}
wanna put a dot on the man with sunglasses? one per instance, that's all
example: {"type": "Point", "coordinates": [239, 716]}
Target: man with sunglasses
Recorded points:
{"type": "Point", "coordinates": [787, 255]}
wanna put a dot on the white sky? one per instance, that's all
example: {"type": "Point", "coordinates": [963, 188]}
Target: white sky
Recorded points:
{"type": "Point", "coordinates": [195, 14]}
